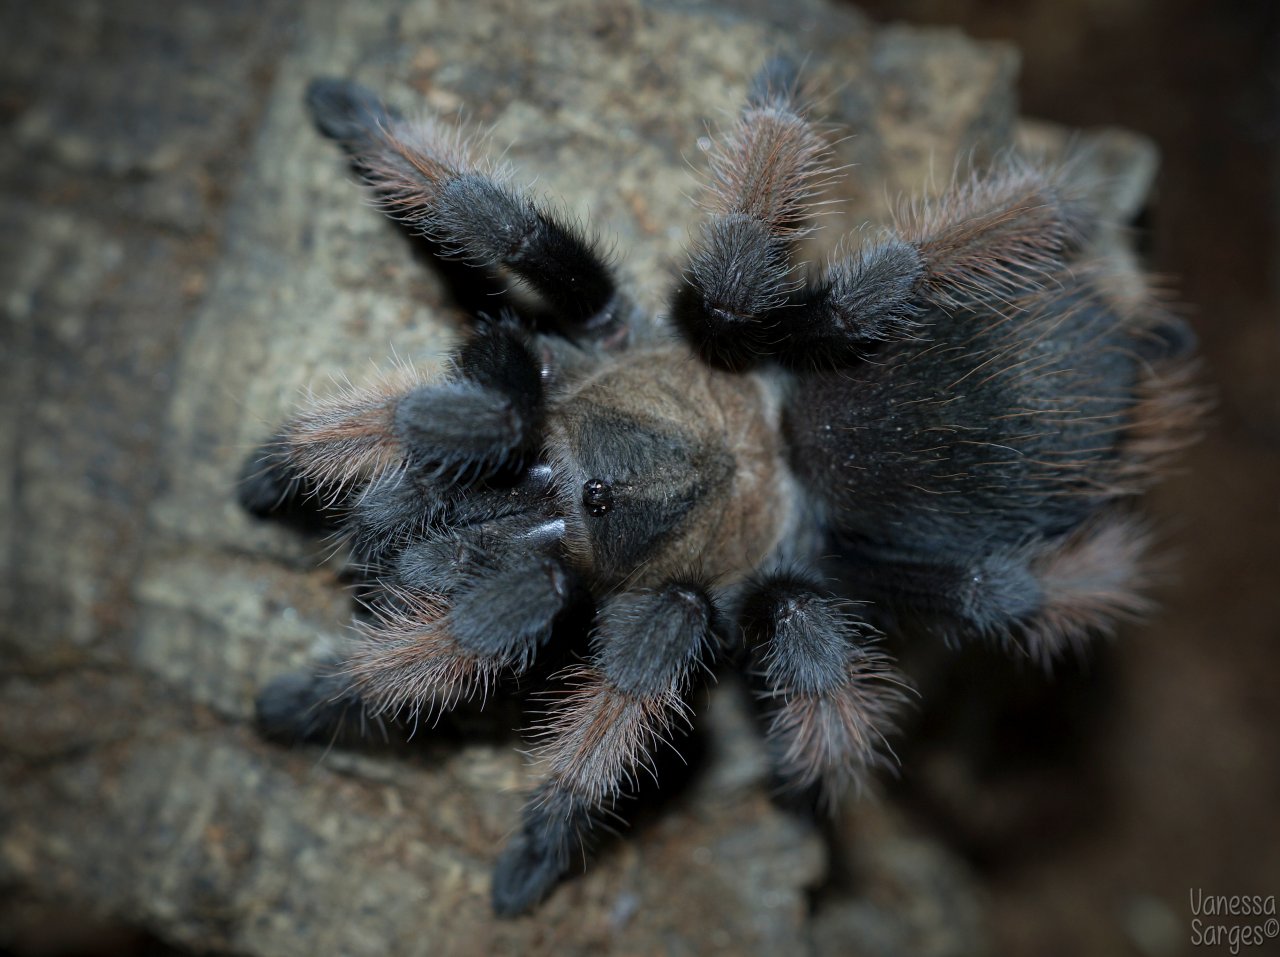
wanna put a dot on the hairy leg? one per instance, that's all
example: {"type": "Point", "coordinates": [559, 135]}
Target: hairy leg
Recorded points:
{"type": "Point", "coordinates": [308, 707]}
{"type": "Point", "coordinates": [434, 180]}
{"type": "Point", "coordinates": [464, 578]}
{"type": "Point", "coordinates": [621, 706]}
{"type": "Point", "coordinates": [447, 632]}
{"type": "Point", "coordinates": [985, 241]}
{"type": "Point", "coordinates": [765, 172]}
{"type": "Point", "coordinates": [833, 692]}
{"type": "Point", "coordinates": [1041, 599]}
{"type": "Point", "coordinates": [484, 417]}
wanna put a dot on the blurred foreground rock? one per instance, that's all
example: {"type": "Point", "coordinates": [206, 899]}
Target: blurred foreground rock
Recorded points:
{"type": "Point", "coordinates": [182, 256]}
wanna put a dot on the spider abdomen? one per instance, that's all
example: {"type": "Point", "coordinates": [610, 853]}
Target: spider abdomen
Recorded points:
{"type": "Point", "coordinates": [1004, 425]}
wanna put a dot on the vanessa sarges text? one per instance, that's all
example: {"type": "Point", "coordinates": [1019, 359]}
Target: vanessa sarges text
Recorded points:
{"type": "Point", "coordinates": [1234, 922]}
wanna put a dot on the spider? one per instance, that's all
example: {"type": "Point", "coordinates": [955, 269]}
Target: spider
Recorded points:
{"type": "Point", "coordinates": [941, 432]}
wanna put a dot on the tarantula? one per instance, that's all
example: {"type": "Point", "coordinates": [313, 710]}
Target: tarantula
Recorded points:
{"type": "Point", "coordinates": [941, 432]}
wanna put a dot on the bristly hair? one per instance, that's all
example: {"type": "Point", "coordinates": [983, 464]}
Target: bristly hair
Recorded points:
{"type": "Point", "coordinates": [1167, 417]}
{"type": "Point", "coordinates": [596, 736]}
{"type": "Point", "coordinates": [992, 236]}
{"type": "Point", "coordinates": [1091, 582]}
{"type": "Point", "coordinates": [836, 736]}
{"type": "Point", "coordinates": [347, 438]}
{"type": "Point", "coordinates": [410, 163]}
{"type": "Point", "coordinates": [771, 163]}
{"type": "Point", "coordinates": [408, 659]}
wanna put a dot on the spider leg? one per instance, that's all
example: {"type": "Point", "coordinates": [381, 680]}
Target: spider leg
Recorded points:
{"type": "Point", "coordinates": [434, 180]}
{"type": "Point", "coordinates": [271, 486]}
{"type": "Point", "coordinates": [443, 560]}
{"type": "Point", "coordinates": [765, 171]}
{"type": "Point", "coordinates": [502, 576]}
{"type": "Point", "coordinates": [623, 703]}
{"type": "Point", "coordinates": [482, 419]}
{"type": "Point", "coordinates": [1042, 598]}
{"type": "Point", "coordinates": [986, 240]}
{"type": "Point", "coordinates": [469, 597]}
{"type": "Point", "coordinates": [307, 707]}
{"type": "Point", "coordinates": [464, 592]}
{"type": "Point", "coordinates": [995, 235]}
{"type": "Point", "coordinates": [479, 422]}
{"type": "Point", "coordinates": [425, 652]}
{"type": "Point", "coordinates": [835, 692]}
{"type": "Point", "coordinates": [861, 299]}
{"type": "Point", "coordinates": [387, 459]}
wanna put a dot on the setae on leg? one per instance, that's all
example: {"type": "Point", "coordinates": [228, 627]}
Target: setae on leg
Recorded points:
{"type": "Point", "coordinates": [482, 418]}
{"type": "Point", "coordinates": [433, 179]}
{"type": "Point", "coordinates": [765, 172]}
{"type": "Point", "coordinates": [834, 693]}
{"type": "Point", "coordinates": [623, 703]}
{"type": "Point", "coordinates": [1041, 599]}
{"type": "Point", "coordinates": [985, 242]}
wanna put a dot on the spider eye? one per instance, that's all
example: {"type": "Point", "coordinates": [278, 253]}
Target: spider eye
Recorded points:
{"type": "Point", "coordinates": [597, 497]}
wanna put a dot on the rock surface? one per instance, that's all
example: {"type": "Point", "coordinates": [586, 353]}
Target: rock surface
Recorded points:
{"type": "Point", "coordinates": [182, 257]}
